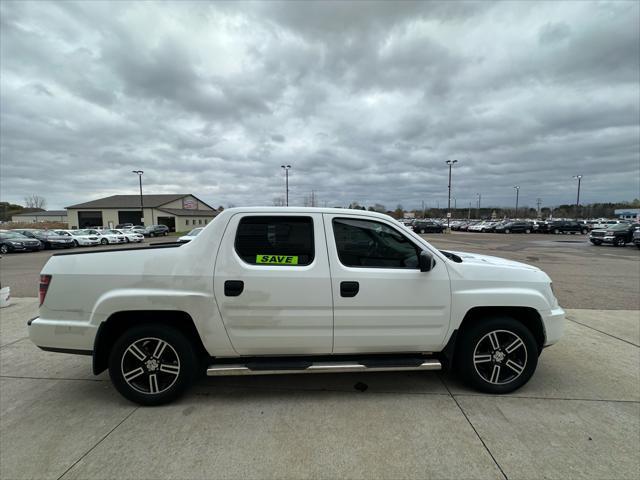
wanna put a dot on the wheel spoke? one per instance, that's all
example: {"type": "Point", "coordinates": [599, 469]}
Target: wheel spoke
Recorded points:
{"type": "Point", "coordinates": [168, 368]}
{"type": "Point", "coordinates": [153, 383]}
{"type": "Point", "coordinates": [514, 366]}
{"type": "Point", "coordinates": [493, 337]}
{"type": "Point", "coordinates": [135, 350]}
{"type": "Point", "coordinates": [495, 374]}
{"type": "Point", "coordinates": [133, 374]}
{"type": "Point", "coordinates": [157, 353]}
{"type": "Point", "coordinates": [482, 358]}
{"type": "Point", "coordinates": [517, 343]}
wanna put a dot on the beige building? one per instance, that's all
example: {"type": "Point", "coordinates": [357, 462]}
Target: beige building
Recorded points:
{"type": "Point", "coordinates": [180, 212]}
{"type": "Point", "coordinates": [44, 216]}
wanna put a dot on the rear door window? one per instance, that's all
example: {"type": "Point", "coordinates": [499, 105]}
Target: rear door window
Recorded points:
{"type": "Point", "coordinates": [279, 241]}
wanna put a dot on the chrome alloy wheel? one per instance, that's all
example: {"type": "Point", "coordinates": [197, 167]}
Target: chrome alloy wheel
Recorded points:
{"type": "Point", "coordinates": [500, 357]}
{"type": "Point", "coordinates": [150, 365]}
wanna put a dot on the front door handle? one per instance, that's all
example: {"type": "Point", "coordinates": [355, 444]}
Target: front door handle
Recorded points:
{"type": "Point", "coordinates": [349, 289]}
{"type": "Point", "coordinates": [233, 288]}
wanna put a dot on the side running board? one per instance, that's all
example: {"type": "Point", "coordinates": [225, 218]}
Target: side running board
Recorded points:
{"type": "Point", "coordinates": [322, 367]}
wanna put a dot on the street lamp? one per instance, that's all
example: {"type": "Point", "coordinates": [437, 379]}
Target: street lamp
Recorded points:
{"type": "Point", "coordinates": [139, 173]}
{"type": "Point", "coordinates": [286, 173]}
{"type": "Point", "coordinates": [517, 187]}
{"type": "Point", "coordinates": [478, 211]}
{"type": "Point", "coordinates": [579, 177]}
{"type": "Point", "coordinates": [450, 163]}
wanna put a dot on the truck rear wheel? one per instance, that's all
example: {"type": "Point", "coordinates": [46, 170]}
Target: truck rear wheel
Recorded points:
{"type": "Point", "coordinates": [497, 355]}
{"type": "Point", "coordinates": [152, 364]}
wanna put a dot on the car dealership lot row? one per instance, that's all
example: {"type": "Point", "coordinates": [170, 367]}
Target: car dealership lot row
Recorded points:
{"type": "Point", "coordinates": [579, 417]}
{"type": "Point", "coordinates": [584, 276]}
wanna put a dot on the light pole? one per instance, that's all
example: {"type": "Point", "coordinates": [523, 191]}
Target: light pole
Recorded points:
{"type": "Point", "coordinates": [139, 173]}
{"type": "Point", "coordinates": [286, 174]}
{"type": "Point", "coordinates": [517, 187]}
{"type": "Point", "coordinates": [450, 163]}
{"type": "Point", "coordinates": [579, 177]}
{"type": "Point", "coordinates": [479, 198]}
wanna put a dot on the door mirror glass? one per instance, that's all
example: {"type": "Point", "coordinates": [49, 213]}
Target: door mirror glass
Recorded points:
{"type": "Point", "coordinates": [426, 261]}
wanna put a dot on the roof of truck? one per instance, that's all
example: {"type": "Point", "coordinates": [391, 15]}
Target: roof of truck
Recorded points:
{"type": "Point", "coordinates": [335, 211]}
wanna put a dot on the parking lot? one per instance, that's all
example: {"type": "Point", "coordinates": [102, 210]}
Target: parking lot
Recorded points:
{"type": "Point", "coordinates": [584, 276]}
{"type": "Point", "coordinates": [579, 416]}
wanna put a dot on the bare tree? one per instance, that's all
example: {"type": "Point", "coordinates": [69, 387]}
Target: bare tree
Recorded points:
{"type": "Point", "coordinates": [35, 201]}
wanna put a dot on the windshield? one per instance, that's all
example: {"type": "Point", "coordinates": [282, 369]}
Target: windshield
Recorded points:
{"type": "Point", "coordinates": [12, 235]}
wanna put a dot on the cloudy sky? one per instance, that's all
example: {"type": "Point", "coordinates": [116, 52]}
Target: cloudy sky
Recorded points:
{"type": "Point", "coordinates": [366, 101]}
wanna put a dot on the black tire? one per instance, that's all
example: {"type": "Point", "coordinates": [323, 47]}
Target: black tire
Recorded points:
{"type": "Point", "coordinates": [76, 244]}
{"type": "Point", "coordinates": [4, 249]}
{"type": "Point", "coordinates": [178, 352]}
{"type": "Point", "coordinates": [638, 245]}
{"type": "Point", "coordinates": [151, 234]}
{"type": "Point", "coordinates": [596, 242]}
{"type": "Point", "coordinates": [514, 367]}
{"type": "Point", "coordinates": [422, 230]}
{"type": "Point", "coordinates": [619, 242]}
{"type": "Point", "coordinates": [584, 232]}
{"type": "Point", "coordinates": [104, 241]}
{"type": "Point", "coordinates": [527, 231]}
{"type": "Point", "coordinates": [506, 230]}
{"type": "Point", "coordinates": [127, 239]}
{"type": "Point", "coordinates": [166, 233]}
{"type": "Point", "coordinates": [556, 231]}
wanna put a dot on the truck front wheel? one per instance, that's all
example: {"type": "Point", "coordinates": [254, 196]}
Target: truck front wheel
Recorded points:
{"type": "Point", "coordinates": [152, 364]}
{"type": "Point", "coordinates": [496, 355]}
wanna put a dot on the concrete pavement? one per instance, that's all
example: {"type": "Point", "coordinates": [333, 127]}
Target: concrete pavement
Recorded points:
{"type": "Point", "coordinates": [579, 417]}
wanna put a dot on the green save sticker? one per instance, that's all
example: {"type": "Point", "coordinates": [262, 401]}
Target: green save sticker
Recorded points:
{"type": "Point", "coordinates": [277, 259]}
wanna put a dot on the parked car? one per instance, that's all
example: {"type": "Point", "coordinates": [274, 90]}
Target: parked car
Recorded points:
{"type": "Point", "coordinates": [564, 226]}
{"type": "Point", "coordinates": [156, 231]}
{"type": "Point", "coordinates": [484, 226]}
{"type": "Point", "coordinates": [130, 236]}
{"type": "Point", "coordinates": [137, 229]}
{"type": "Point", "coordinates": [16, 242]}
{"type": "Point", "coordinates": [111, 236]}
{"type": "Point", "coordinates": [194, 233]}
{"type": "Point", "coordinates": [272, 290]}
{"type": "Point", "coordinates": [48, 238]}
{"type": "Point", "coordinates": [80, 238]}
{"type": "Point", "coordinates": [427, 226]}
{"type": "Point", "coordinates": [617, 235]}
{"type": "Point", "coordinates": [514, 227]}
{"type": "Point", "coordinates": [124, 226]}
{"type": "Point", "coordinates": [636, 237]}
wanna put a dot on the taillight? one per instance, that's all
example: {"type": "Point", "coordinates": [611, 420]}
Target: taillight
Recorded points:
{"type": "Point", "coordinates": [45, 281]}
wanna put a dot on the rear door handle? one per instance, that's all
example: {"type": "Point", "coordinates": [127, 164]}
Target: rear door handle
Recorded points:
{"type": "Point", "coordinates": [349, 289]}
{"type": "Point", "coordinates": [233, 288]}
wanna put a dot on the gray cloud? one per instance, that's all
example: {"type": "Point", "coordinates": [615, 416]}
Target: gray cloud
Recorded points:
{"type": "Point", "coordinates": [366, 100]}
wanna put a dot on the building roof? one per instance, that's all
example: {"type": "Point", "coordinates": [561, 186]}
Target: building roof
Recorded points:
{"type": "Point", "coordinates": [185, 212]}
{"type": "Point", "coordinates": [46, 213]}
{"type": "Point", "coordinates": [133, 201]}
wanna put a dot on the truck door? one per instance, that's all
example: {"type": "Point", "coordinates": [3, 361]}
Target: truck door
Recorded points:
{"type": "Point", "coordinates": [382, 301]}
{"type": "Point", "coordinates": [272, 284]}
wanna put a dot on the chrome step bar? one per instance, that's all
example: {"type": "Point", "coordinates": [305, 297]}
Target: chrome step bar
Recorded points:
{"type": "Point", "coordinates": [320, 367]}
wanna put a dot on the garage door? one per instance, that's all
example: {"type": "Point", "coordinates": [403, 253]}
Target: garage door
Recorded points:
{"type": "Point", "coordinates": [169, 222]}
{"type": "Point", "coordinates": [128, 216]}
{"type": "Point", "coordinates": [89, 219]}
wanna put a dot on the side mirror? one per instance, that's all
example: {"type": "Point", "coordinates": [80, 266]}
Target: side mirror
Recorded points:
{"type": "Point", "coordinates": [426, 261]}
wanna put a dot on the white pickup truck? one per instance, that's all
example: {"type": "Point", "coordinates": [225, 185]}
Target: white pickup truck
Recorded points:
{"type": "Point", "coordinates": [295, 290]}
